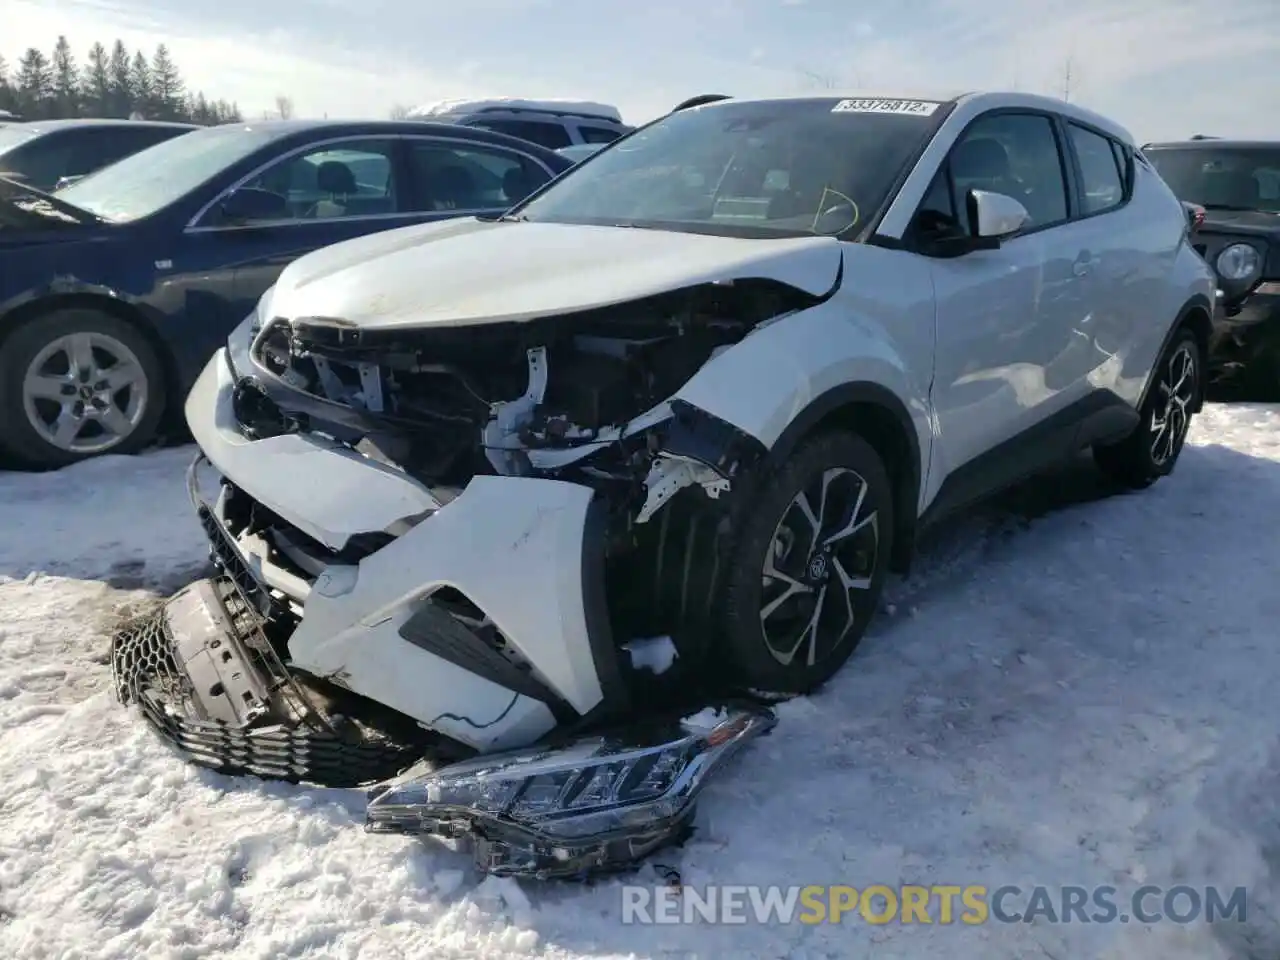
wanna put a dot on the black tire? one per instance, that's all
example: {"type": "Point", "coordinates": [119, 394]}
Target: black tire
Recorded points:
{"type": "Point", "coordinates": [21, 439]}
{"type": "Point", "coordinates": [771, 511]}
{"type": "Point", "coordinates": [1147, 454]}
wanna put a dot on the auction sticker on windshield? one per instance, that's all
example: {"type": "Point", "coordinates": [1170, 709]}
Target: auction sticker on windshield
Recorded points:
{"type": "Point", "coordinates": [915, 108]}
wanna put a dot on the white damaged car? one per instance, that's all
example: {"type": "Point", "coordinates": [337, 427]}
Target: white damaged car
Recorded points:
{"type": "Point", "coordinates": [711, 385]}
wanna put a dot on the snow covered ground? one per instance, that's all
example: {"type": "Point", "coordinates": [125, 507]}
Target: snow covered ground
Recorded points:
{"type": "Point", "coordinates": [1067, 692]}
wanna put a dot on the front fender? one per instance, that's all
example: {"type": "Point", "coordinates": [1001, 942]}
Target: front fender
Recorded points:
{"type": "Point", "coordinates": [877, 331]}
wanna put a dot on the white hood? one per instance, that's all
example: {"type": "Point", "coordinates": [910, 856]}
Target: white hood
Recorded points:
{"type": "Point", "coordinates": [467, 271]}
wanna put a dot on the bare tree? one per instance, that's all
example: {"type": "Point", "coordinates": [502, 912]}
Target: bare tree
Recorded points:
{"type": "Point", "coordinates": [399, 112]}
{"type": "Point", "coordinates": [284, 107]}
{"type": "Point", "coordinates": [828, 81]}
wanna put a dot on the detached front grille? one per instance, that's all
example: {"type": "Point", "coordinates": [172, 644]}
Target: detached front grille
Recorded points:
{"type": "Point", "coordinates": [213, 698]}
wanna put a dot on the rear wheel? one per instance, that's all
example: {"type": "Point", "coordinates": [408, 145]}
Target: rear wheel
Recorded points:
{"type": "Point", "coordinates": [76, 384]}
{"type": "Point", "coordinates": [1152, 450]}
{"type": "Point", "coordinates": [808, 565]}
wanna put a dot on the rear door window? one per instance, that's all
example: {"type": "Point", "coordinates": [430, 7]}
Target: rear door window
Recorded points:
{"type": "Point", "coordinates": [469, 176]}
{"type": "Point", "coordinates": [1103, 180]}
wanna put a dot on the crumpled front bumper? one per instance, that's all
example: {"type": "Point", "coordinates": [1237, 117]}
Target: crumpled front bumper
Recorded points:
{"type": "Point", "coordinates": [525, 555]}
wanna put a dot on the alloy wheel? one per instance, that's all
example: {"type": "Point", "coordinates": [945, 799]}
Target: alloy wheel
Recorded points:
{"type": "Point", "coordinates": [819, 567]}
{"type": "Point", "coordinates": [85, 392]}
{"type": "Point", "coordinates": [1171, 415]}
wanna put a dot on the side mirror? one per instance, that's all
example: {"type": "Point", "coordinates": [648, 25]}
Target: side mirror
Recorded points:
{"type": "Point", "coordinates": [994, 216]}
{"type": "Point", "coordinates": [248, 205]}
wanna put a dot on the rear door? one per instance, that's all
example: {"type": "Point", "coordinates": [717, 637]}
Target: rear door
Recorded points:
{"type": "Point", "coordinates": [1120, 255]}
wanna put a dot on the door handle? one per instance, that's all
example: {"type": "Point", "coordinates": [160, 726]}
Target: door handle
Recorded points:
{"type": "Point", "coordinates": [1082, 264]}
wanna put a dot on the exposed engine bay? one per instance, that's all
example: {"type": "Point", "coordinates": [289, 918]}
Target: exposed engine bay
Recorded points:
{"type": "Point", "coordinates": [581, 397]}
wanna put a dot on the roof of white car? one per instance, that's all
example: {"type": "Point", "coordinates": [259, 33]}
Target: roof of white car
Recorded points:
{"type": "Point", "coordinates": [588, 108]}
{"type": "Point", "coordinates": [982, 100]}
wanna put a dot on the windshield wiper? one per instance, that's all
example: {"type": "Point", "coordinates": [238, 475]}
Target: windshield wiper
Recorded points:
{"type": "Point", "coordinates": [39, 203]}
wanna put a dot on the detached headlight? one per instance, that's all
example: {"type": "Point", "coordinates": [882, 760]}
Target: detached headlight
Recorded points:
{"type": "Point", "coordinates": [596, 804]}
{"type": "Point", "coordinates": [1239, 261]}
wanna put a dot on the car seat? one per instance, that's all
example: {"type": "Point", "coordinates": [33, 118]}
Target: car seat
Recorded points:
{"type": "Point", "coordinates": [453, 188]}
{"type": "Point", "coordinates": [515, 185]}
{"type": "Point", "coordinates": [982, 164]}
{"type": "Point", "coordinates": [336, 179]}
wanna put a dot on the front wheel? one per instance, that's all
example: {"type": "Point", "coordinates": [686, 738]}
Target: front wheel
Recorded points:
{"type": "Point", "coordinates": [1152, 450]}
{"type": "Point", "coordinates": [808, 565]}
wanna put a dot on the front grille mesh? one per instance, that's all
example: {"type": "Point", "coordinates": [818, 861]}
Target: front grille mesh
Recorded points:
{"type": "Point", "coordinates": [274, 746]}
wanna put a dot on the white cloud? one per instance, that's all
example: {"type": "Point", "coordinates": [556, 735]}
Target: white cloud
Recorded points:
{"type": "Point", "coordinates": [1157, 66]}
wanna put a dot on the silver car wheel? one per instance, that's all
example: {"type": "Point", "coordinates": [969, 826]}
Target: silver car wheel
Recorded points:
{"type": "Point", "coordinates": [818, 570]}
{"type": "Point", "coordinates": [1171, 416]}
{"type": "Point", "coordinates": [85, 393]}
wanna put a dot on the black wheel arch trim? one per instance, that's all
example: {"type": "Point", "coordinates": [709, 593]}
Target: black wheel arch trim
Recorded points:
{"type": "Point", "coordinates": [1195, 302]}
{"type": "Point", "coordinates": [614, 689]}
{"type": "Point", "coordinates": [906, 476]}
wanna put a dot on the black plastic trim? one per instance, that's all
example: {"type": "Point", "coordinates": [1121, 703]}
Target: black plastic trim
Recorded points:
{"type": "Point", "coordinates": [700, 100]}
{"type": "Point", "coordinates": [1100, 416]}
{"type": "Point", "coordinates": [1196, 302]}
{"type": "Point", "coordinates": [615, 694]}
{"type": "Point", "coordinates": [908, 475]}
{"type": "Point", "coordinates": [720, 445]}
{"type": "Point", "coordinates": [439, 632]}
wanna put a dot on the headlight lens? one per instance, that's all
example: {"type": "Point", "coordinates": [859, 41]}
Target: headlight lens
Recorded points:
{"type": "Point", "coordinates": [1239, 261]}
{"type": "Point", "coordinates": [600, 802]}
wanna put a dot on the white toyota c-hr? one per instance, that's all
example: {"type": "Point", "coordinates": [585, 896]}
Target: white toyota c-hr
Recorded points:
{"type": "Point", "coordinates": [711, 383]}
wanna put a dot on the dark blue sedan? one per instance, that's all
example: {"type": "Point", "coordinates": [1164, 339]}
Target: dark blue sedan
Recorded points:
{"type": "Point", "coordinates": [115, 290]}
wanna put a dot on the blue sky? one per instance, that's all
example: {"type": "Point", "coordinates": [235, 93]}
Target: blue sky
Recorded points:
{"type": "Point", "coordinates": [1163, 68]}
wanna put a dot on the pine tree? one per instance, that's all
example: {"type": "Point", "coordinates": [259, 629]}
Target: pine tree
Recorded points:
{"type": "Point", "coordinates": [35, 84]}
{"type": "Point", "coordinates": [166, 85]}
{"type": "Point", "coordinates": [143, 95]}
{"type": "Point", "coordinates": [121, 84]}
{"type": "Point", "coordinates": [8, 97]}
{"type": "Point", "coordinates": [65, 80]}
{"type": "Point", "coordinates": [95, 83]}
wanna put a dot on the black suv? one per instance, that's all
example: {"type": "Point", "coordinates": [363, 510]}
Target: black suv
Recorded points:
{"type": "Point", "coordinates": [1237, 183]}
{"type": "Point", "coordinates": [44, 153]}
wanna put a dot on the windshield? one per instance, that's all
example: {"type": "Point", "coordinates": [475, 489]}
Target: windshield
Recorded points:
{"type": "Point", "coordinates": [757, 169]}
{"type": "Point", "coordinates": [1230, 178]}
{"type": "Point", "coordinates": [151, 179]}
